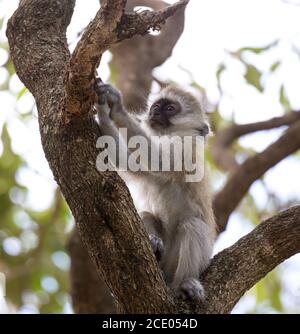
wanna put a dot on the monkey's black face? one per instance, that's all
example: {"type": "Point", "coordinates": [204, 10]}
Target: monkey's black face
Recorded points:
{"type": "Point", "coordinates": [162, 111]}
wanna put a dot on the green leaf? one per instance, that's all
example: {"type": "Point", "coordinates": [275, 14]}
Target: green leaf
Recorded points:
{"type": "Point", "coordinates": [113, 73]}
{"type": "Point", "coordinates": [253, 76]}
{"type": "Point", "coordinates": [220, 70]}
{"type": "Point", "coordinates": [10, 67]}
{"type": "Point", "coordinates": [23, 91]}
{"type": "Point", "coordinates": [195, 85]}
{"type": "Point", "coordinates": [284, 100]}
{"type": "Point", "coordinates": [260, 291]}
{"type": "Point", "coordinates": [257, 50]}
{"type": "Point", "coordinates": [274, 66]}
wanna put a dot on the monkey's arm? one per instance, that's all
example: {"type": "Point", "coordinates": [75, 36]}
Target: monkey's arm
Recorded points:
{"type": "Point", "coordinates": [113, 117]}
{"type": "Point", "coordinates": [110, 103]}
{"type": "Point", "coordinates": [108, 129]}
{"type": "Point", "coordinates": [106, 125]}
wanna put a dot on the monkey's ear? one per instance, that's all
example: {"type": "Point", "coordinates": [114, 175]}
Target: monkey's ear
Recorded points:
{"type": "Point", "coordinates": [204, 130]}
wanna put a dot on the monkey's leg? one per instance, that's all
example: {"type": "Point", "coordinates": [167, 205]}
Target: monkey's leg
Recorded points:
{"type": "Point", "coordinates": [193, 244]}
{"type": "Point", "coordinates": [154, 228]}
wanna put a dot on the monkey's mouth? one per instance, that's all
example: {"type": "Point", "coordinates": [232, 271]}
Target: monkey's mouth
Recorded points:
{"type": "Point", "coordinates": [154, 122]}
{"type": "Point", "coordinates": [159, 122]}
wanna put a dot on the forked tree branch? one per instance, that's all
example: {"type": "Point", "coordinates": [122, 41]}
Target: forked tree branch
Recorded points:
{"type": "Point", "coordinates": [110, 25]}
{"type": "Point", "coordinates": [251, 170]}
{"type": "Point", "coordinates": [221, 153]}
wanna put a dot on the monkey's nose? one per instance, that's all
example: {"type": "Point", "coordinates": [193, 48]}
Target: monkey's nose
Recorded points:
{"type": "Point", "coordinates": [154, 113]}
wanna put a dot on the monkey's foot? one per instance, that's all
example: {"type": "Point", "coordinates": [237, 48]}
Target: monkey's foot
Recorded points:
{"type": "Point", "coordinates": [191, 288]}
{"type": "Point", "coordinates": [157, 246]}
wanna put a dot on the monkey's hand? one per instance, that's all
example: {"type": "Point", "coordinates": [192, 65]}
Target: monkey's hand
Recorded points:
{"type": "Point", "coordinates": [157, 246]}
{"type": "Point", "coordinates": [191, 288]}
{"type": "Point", "coordinates": [109, 99]}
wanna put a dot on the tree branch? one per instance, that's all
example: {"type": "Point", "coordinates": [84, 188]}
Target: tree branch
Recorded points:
{"type": "Point", "coordinates": [134, 77]}
{"type": "Point", "coordinates": [236, 269]}
{"type": "Point", "coordinates": [224, 138]}
{"type": "Point", "coordinates": [140, 23]}
{"type": "Point", "coordinates": [252, 169]}
{"type": "Point", "coordinates": [110, 25]}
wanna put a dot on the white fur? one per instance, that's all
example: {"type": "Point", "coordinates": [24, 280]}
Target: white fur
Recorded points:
{"type": "Point", "coordinates": [184, 209]}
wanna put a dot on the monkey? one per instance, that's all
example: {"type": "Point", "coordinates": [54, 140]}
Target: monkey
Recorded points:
{"type": "Point", "coordinates": [177, 215]}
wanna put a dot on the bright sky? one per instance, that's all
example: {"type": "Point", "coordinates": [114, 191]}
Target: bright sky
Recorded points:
{"type": "Point", "coordinates": [212, 26]}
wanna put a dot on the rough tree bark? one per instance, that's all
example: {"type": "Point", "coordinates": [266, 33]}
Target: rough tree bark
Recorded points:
{"type": "Point", "coordinates": [89, 292]}
{"type": "Point", "coordinates": [102, 207]}
{"type": "Point", "coordinates": [134, 79]}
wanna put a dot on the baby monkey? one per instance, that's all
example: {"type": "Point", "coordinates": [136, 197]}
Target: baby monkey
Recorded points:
{"type": "Point", "coordinates": [177, 214]}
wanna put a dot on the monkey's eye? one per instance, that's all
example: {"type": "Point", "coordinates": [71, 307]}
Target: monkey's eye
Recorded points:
{"type": "Point", "coordinates": [170, 108]}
